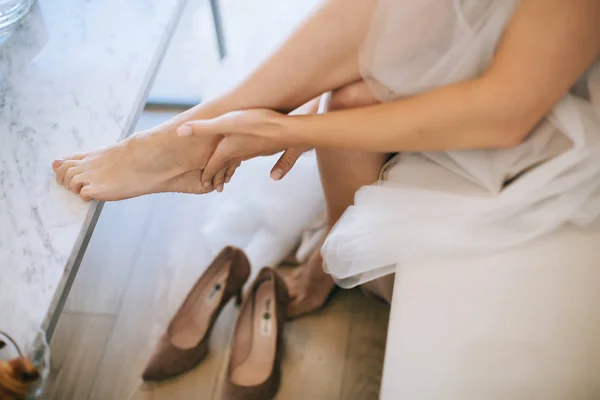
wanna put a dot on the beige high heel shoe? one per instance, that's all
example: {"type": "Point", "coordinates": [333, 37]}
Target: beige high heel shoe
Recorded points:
{"type": "Point", "coordinates": [254, 371]}
{"type": "Point", "coordinates": [185, 342]}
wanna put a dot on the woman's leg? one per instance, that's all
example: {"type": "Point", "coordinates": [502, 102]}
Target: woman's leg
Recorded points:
{"type": "Point", "coordinates": [320, 56]}
{"type": "Point", "coordinates": [343, 172]}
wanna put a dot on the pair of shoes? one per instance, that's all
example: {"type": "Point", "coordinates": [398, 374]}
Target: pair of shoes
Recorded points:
{"type": "Point", "coordinates": [254, 368]}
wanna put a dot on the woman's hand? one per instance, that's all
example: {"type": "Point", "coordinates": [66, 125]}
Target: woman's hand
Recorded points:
{"type": "Point", "coordinates": [252, 133]}
{"type": "Point", "coordinates": [240, 141]}
{"type": "Point", "coordinates": [229, 154]}
{"type": "Point", "coordinates": [288, 159]}
{"type": "Point", "coordinates": [354, 95]}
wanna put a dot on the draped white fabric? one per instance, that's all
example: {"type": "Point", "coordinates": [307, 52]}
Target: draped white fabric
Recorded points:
{"type": "Point", "coordinates": [431, 205]}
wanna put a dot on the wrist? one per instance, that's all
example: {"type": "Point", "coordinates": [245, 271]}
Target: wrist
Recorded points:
{"type": "Point", "coordinates": [271, 124]}
{"type": "Point", "coordinates": [279, 127]}
{"type": "Point", "coordinates": [208, 110]}
{"type": "Point", "coordinates": [262, 123]}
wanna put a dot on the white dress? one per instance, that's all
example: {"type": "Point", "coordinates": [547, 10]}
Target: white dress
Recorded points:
{"type": "Point", "coordinates": [431, 205]}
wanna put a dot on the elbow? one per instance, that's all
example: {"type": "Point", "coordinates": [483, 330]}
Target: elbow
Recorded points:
{"type": "Point", "coordinates": [498, 134]}
{"type": "Point", "coordinates": [508, 138]}
{"type": "Point", "coordinates": [508, 117]}
{"type": "Point", "coordinates": [507, 126]}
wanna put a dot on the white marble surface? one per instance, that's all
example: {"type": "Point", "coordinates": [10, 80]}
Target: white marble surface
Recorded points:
{"type": "Point", "coordinates": [73, 77]}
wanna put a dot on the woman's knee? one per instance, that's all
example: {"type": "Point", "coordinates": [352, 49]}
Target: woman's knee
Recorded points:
{"type": "Point", "coordinates": [354, 95]}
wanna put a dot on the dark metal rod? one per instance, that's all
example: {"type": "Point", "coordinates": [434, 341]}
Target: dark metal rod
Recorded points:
{"type": "Point", "coordinates": [216, 11]}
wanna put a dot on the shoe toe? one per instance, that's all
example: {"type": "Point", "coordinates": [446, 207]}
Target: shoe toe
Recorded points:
{"type": "Point", "coordinates": [169, 361]}
{"type": "Point", "coordinates": [152, 373]}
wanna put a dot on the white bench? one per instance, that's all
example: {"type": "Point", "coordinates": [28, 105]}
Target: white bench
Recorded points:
{"type": "Point", "coordinates": [519, 324]}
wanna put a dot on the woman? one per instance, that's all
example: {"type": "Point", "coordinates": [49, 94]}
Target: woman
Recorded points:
{"type": "Point", "coordinates": [488, 104]}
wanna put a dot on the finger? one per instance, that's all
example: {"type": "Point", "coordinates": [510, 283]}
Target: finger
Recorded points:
{"type": "Point", "coordinates": [214, 165]}
{"type": "Point", "coordinates": [204, 127]}
{"type": "Point", "coordinates": [71, 172]}
{"type": "Point", "coordinates": [219, 180]}
{"type": "Point", "coordinates": [285, 163]}
{"type": "Point", "coordinates": [230, 171]}
{"type": "Point", "coordinates": [190, 128]}
{"type": "Point", "coordinates": [60, 174]}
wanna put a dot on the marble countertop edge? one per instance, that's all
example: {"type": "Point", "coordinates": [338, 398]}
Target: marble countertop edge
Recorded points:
{"type": "Point", "coordinates": [74, 261]}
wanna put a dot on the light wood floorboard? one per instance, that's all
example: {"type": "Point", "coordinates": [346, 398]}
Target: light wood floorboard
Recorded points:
{"type": "Point", "coordinates": [77, 347]}
{"type": "Point", "coordinates": [105, 268]}
{"type": "Point", "coordinates": [366, 348]}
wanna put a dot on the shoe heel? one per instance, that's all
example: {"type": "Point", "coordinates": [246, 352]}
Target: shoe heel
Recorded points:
{"type": "Point", "coordinates": [238, 298]}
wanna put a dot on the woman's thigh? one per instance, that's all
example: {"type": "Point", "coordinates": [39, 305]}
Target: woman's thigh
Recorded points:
{"type": "Point", "coordinates": [519, 324]}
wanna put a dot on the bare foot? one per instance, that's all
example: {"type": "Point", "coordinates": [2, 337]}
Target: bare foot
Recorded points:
{"type": "Point", "coordinates": [148, 162]}
{"type": "Point", "coordinates": [309, 286]}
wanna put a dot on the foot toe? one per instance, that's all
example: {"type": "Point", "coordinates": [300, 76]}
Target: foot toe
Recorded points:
{"type": "Point", "coordinates": [62, 170]}
{"type": "Point", "coordinates": [291, 285]}
{"type": "Point", "coordinates": [77, 183]}
{"type": "Point", "coordinates": [294, 310]}
{"type": "Point", "coordinates": [56, 165]}
{"type": "Point", "coordinates": [298, 273]}
{"type": "Point", "coordinates": [292, 292]}
{"type": "Point", "coordinates": [302, 306]}
{"type": "Point", "coordinates": [87, 193]}
{"type": "Point", "coordinates": [70, 175]}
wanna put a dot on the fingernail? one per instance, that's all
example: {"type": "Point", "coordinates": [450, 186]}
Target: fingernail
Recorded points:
{"type": "Point", "coordinates": [207, 184]}
{"type": "Point", "coordinates": [277, 174]}
{"type": "Point", "coordinates": [227, 179]}
{"type": "Point", "coordinates": [220, 188]}
{"type": "Point", "coordinates": [184, 130]}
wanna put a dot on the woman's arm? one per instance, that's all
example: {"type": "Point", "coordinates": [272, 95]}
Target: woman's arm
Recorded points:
{"type": "Point", "coordinates": [546, 47]}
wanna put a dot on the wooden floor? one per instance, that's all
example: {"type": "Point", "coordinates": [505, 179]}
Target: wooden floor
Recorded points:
{"type": "Point", "coordinates": [142, 259]}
